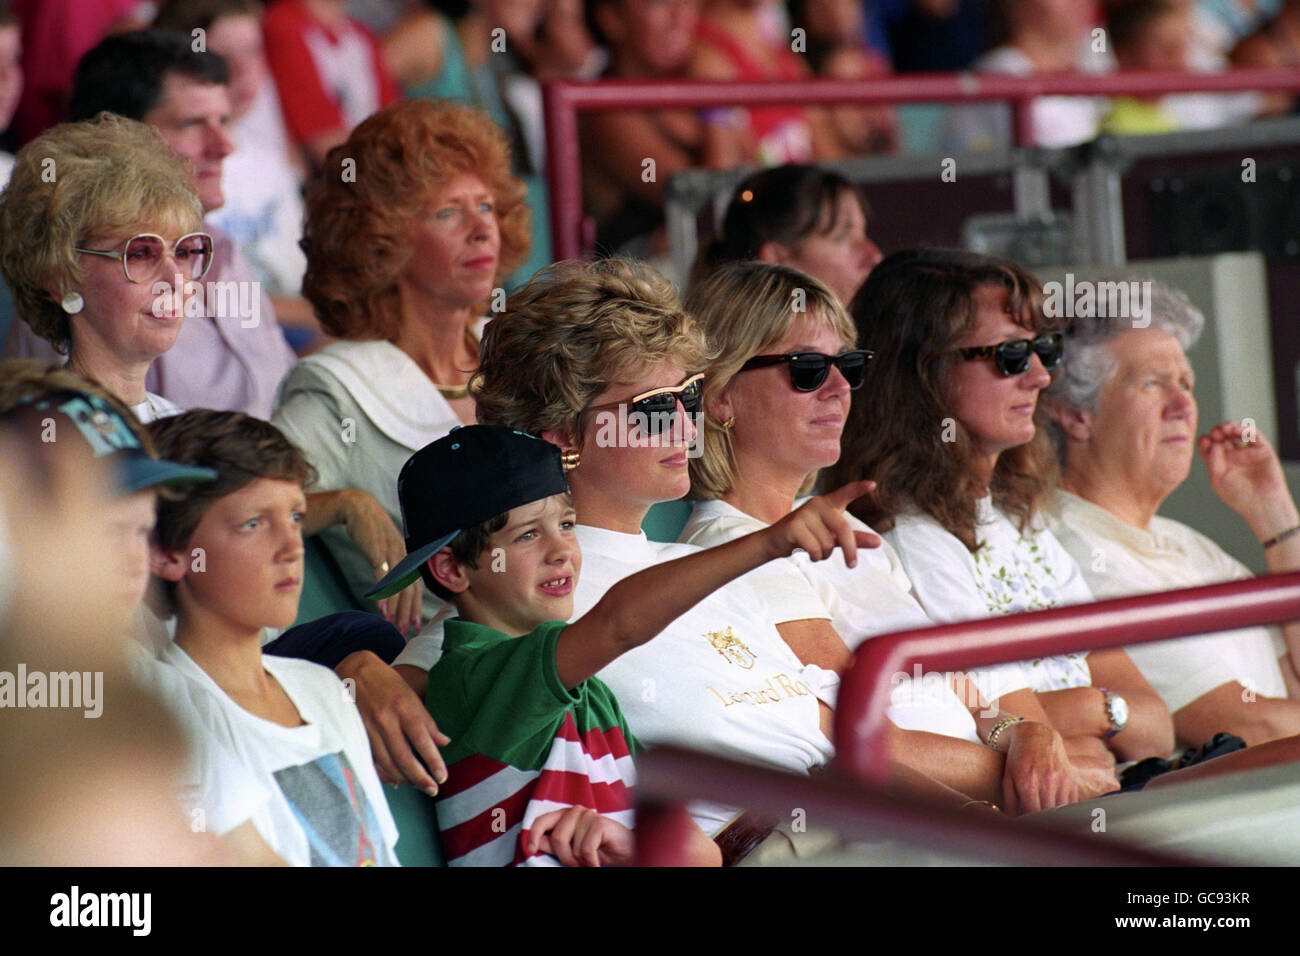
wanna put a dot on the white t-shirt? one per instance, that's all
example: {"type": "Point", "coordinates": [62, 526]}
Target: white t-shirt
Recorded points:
{"type": "Point", "coordinates": [263, 211]}
{"type": "Point", "coordinates": [1009, 573]}
{"type": "Point", "coordinates": [1118, 560]}
{"type": "Point", "coordinates": [216, 792]}
{"type": "Point", "coordinates": [873, 598]}
{"type": "Point", "coordinates": [1057, 121]}
{"type": "Point", "coordinates": [323, 805]}
{"type": "Point", "coordinates": [719, 679]}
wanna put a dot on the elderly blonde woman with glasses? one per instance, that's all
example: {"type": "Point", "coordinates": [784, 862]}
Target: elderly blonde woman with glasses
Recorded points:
{"type": "Point", "coordinates": [100, 244]}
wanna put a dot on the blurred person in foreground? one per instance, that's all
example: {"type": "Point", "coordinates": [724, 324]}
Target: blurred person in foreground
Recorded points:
{"type": "Point", "coordinates": [103, 779]}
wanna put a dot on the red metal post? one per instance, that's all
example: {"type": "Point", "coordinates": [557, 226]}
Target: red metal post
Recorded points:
{"type": "Point", "coordinates": [864, 693]}
{"type": "Point", "coordinates": [564, 99]}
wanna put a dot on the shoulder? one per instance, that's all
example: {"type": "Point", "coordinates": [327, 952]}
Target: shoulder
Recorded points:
{"type": "Point", "coordinates": [669, 550]}
{"type": "Point", "coordinates": [714, 522]}
{"type": "Point", "coordinates": [914, 529]}
{"type": "Point", "coordinates": [330, 369]}
{"type": "Point", "coordinates": [302, 674]}
{"type": "Point", "coordinates": [1199, 548]}
{"type": "Point", "coordinates": [483, 667]}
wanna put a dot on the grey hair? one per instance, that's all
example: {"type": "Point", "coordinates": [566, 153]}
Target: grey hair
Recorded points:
{"type": "Point", "coordinates": [1088, 366]}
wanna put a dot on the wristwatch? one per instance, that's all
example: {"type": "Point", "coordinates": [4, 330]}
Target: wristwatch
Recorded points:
{"type": "Point", "coordinates": [1116, 712]}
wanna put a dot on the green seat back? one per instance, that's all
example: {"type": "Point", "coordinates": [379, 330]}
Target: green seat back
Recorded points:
{"type": "Point", "coordinates": [417, 827]}
{"type": "Point", "coordinates": [664, 521]}
{"type": "Point", "coordinates": [324, 590]}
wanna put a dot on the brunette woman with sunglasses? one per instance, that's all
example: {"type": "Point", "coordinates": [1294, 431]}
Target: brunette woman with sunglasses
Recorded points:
{"type": "Point", "coordinates": [949, 432]}
{"type": "Point", "coordinates": [777, 395]}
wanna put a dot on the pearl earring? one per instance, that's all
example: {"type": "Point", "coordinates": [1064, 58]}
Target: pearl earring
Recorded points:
{"type": "Point", "coordinates": [72, 302]}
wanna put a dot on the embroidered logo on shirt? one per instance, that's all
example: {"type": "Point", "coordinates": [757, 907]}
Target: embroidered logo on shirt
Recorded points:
{"type": "Point", "coordinates": [732, 648]}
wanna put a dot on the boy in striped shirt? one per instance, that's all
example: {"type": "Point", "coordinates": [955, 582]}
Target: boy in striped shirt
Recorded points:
{"type": "Point", "coordinates": [540, 760]}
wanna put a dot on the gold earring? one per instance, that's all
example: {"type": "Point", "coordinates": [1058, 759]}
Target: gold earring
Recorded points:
{"type": "Point", "coordinates": [729, 423]}
{"type": "Point", "coordinates": [569, 459]}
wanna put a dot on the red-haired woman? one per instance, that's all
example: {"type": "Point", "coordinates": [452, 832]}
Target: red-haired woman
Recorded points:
{"type": "Point", "coordinates": [415, 221]}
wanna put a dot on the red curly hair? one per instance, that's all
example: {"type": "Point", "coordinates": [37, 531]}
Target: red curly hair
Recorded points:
{"type": "Point", "coordinates": [359, 216]}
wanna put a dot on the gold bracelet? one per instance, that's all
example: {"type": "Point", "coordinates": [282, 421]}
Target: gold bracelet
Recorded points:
{"type": "Point", "coordinates": [1282, 536]}
{"type": "Point", "coordinates": [1000, 726]}
{"type": "Point", "coordinates": [981, 803]}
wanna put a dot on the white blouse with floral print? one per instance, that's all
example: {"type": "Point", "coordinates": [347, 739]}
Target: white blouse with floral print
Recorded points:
{"type": "Point", "coordinates": [1010, 572]}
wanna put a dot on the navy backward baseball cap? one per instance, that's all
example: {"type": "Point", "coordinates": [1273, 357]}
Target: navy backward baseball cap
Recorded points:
{"type": "Point", "coordinates": [468, 476]}
{"type": "Point", "coordinates": [108, 435]}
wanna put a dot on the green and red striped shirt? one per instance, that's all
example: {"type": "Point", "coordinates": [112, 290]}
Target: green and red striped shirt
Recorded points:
{"type": "Point", "coordinates": [521, 743]}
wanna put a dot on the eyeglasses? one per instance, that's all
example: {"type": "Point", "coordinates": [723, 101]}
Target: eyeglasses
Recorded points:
{"type": "Point", "coordinates": [142, 256]}
{"type": "Point", "coordinates": [809, 370]}
{"type": "Point", "coordinates": [1012, 358]}
{"type": "Point", "coordinates": [655, 409]}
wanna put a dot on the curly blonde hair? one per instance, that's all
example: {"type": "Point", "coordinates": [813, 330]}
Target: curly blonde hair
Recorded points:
{"type": "Point", "coordinates": [375, 185]}
{"type": "Point", "coordinates": [104, 175]}
{"type": "Point", "coordinates": [571, 331]}
{"type": "Point", "coordinates": [745, 308]}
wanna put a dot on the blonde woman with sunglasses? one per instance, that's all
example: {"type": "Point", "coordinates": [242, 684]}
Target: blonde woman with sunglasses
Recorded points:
{"type": "Point", "coordinates": [950, 432]}
{"type": "Point", "coordinates": [103, 249]}
{"type": "Point", "coordinates": [778, 391]}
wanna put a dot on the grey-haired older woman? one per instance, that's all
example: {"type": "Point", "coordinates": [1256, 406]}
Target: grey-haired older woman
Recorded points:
{"type": "Point", "coordinates": [1124, 418]}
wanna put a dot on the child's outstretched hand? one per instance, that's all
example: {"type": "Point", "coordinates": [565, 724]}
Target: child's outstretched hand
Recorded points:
{"type": "Point", "coordinates": [819, 525]}
{"type": "Point", "coordinates": [579, 836]}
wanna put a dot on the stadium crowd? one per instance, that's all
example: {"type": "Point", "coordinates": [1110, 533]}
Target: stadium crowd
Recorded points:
{"type": "Point", "coordinates": [280, 302]}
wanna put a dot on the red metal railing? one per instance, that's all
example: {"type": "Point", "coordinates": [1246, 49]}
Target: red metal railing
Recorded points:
{"type": "Point", "coordinates": [669, 776]}
{"type": "Point", "coordinates": [861, 760]}
{"type": "Point", "coordinates": [564, 100]}
{"type": "Point", "coordinates": [864, 693]}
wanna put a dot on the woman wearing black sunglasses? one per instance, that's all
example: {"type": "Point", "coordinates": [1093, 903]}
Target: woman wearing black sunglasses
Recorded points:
{"type": "Point", "coordinates": [776, 399]}
{"type": "Point", "coordinates": [950, 433]}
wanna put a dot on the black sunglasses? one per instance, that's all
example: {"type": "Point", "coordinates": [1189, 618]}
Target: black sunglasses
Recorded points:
{"type": "Point", "coordinates": [1012, 358]}
{"type": "Point", "coordinates": [809, 370]}
{"type": "Point", "coordinates": [656, 409]}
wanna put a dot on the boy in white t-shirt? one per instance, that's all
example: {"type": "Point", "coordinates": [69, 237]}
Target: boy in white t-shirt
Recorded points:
{"type": "Point", "coordinates": [230, 558]}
